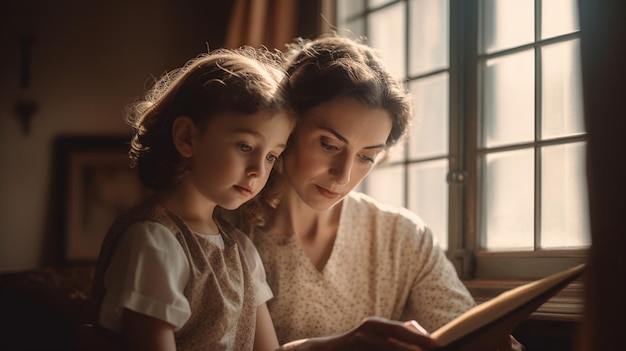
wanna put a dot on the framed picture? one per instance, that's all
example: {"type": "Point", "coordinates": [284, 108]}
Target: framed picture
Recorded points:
{"type": "Point", "coordinates": [96, 185]}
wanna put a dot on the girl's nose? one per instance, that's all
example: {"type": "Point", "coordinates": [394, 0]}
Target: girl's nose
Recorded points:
{"type": "Point", "coordinates": [256, 167]}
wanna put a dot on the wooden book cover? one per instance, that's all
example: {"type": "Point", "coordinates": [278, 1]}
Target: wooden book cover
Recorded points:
{"type": "Point", "coordinates": [482, 327]}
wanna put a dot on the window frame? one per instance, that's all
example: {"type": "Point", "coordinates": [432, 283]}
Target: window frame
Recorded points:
{"type": "Point", "coordinates": [486, 274]}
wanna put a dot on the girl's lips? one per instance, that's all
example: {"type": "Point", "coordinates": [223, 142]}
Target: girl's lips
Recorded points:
{"type": "Point", "coordinates": [327, 193]}
{"type": "Point", "coordinates": [243, 190]}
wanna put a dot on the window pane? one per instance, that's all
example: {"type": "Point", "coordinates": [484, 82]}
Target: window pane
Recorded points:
{"type": "Point", "coordinates": [558, 17]}
{"type": "Point", "coordinates": [396, 153]}
{"type": "Point", "coordinates": [386, 184]}
{"type": "Point", "coordinates": [386, 32]}
{"type": "Point", "coordinates": [562, 109]}
{"type": "Point", "coordinates": [376, 3]}
{"type": "Point", "coordinates": [348, 8]}
{"type": "Point", "coordinates": [428, 40]}
{"type": "Point", "coordinates": [430, 131]}
{"type": "Point", "coordinates": [509, 200]}
{"type": "Point", "coordinates": [509, 101]}
{"type": "Point", "coordinates": [507, 23]}
{"type": "Point", "coordinates": [352, 29]}
{"type": "Point", "coordinates": [564, 210]}
{"type": "Point", "coordinates": [428, 196]}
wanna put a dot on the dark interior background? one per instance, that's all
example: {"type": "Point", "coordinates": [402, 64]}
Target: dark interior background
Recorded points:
{"type": "Point", "coordinates": [85, 63]}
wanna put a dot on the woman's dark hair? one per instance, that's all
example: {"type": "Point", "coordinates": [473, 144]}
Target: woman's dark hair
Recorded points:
{"type": "Point", "coordinates": [323, 70]}
{"type": "Point", "coordinates": [333, 67]}
{"type": "Point", "coordinates": [244, 80]}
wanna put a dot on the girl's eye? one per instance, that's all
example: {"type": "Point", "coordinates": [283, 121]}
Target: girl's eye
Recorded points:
{"type": "Point", "coordinates": [245, 147]}
{"type": "Point", "coordinates": [272, 158]}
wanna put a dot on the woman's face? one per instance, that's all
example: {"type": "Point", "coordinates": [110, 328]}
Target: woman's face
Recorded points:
{"type": "Point", "coordinates": [333, 148]}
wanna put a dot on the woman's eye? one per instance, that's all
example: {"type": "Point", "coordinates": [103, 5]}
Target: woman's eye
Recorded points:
{"type": "Point", "coordinates": [272, 158]}
{"type": "Point", "coordinates": [245, 147]}
{"type": "Point", "coordinates": [329, 147]}
{"type": "Point", "coordinates": [365, 158]}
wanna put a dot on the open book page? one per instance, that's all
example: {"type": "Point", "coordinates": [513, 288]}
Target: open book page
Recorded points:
{"type": "Point", "coordinates": [490, 322]}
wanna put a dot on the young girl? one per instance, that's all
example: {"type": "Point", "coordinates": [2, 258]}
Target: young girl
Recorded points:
{"type": "Point", "coordinates": [170, 274]}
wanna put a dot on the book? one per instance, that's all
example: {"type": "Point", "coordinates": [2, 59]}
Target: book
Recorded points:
{"type": "Point", "coordinates": [484, 326]}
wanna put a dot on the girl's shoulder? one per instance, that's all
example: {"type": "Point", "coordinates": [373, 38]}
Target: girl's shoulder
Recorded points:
{"type": "Point", "coordinates": [148, 210]}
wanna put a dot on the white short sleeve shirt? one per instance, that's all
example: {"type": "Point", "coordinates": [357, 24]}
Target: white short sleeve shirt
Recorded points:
{"type": "Point", "coordinates": [148, 273]}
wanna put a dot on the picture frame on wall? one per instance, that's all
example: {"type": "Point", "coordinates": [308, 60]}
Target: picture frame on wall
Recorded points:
{"type": "Point", "coordinates": [96, 184]}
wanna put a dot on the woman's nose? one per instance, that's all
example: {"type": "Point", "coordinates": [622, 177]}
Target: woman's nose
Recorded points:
{"type": "Point", "coordinates": [341, 169]}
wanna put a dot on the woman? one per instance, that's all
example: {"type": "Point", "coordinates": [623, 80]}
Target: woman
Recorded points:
{"type": "Point", "coordinates": [334, 256]}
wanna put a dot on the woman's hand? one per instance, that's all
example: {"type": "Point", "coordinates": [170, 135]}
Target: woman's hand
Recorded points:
{"type": "Point", "coordinates": [372, 334]}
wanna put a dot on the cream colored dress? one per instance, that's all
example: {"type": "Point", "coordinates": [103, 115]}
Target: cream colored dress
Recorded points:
{"type": "Point", "coordinates": [207, 287]}
{"type": "Point", "coordinates": [385, 262]}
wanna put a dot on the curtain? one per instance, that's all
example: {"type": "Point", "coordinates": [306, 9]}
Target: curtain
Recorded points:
{"type": "Point", "coordinates": [269, 23]}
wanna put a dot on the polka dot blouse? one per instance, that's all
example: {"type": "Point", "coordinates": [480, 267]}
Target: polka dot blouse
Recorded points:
{"type": "Point", "coordinates": [385, 262]}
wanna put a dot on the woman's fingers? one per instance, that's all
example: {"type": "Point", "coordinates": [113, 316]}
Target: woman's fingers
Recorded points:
{"type": "Point", "coordinates": [373, 334]}
{"type": "Point", "coordinates": [413, 324]}
{"type": "Point", "coordinates": [401, 336]}
{"type": "Point", "coordinates": [366, 341]}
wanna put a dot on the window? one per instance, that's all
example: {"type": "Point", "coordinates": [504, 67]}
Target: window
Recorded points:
{"type": "Point", "coordinates": [495, 160]}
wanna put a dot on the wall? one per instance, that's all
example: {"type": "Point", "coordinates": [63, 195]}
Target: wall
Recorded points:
{"type": "Point", "coordinates": [88, 60]}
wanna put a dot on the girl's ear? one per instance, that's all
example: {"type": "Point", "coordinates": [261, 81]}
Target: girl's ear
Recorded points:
{"type": "Point", "coordinates": [183, 130]}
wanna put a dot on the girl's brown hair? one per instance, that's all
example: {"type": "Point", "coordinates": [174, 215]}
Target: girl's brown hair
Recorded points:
{"type": "Point", "coordinates": [244, 80]}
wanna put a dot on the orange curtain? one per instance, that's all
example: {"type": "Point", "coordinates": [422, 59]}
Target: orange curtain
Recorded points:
{"type": "Point", "coordinates": [269, 23]}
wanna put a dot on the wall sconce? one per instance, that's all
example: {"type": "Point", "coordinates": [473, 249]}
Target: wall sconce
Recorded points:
{"type": "Point", "coordinates": [25, 106]}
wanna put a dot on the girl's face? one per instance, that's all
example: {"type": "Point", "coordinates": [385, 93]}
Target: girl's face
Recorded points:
{"type": "Point", "coordinates": [234, 154]}
{"type": "Point", "coordinates": [333, 148]}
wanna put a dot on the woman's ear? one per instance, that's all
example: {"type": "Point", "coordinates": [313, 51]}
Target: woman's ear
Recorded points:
{"type": "Point", "coordinates": [183, 130]}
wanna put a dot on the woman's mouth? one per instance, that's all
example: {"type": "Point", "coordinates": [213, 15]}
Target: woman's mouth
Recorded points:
{"type": "Point", "coordinates": [327, 193]}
